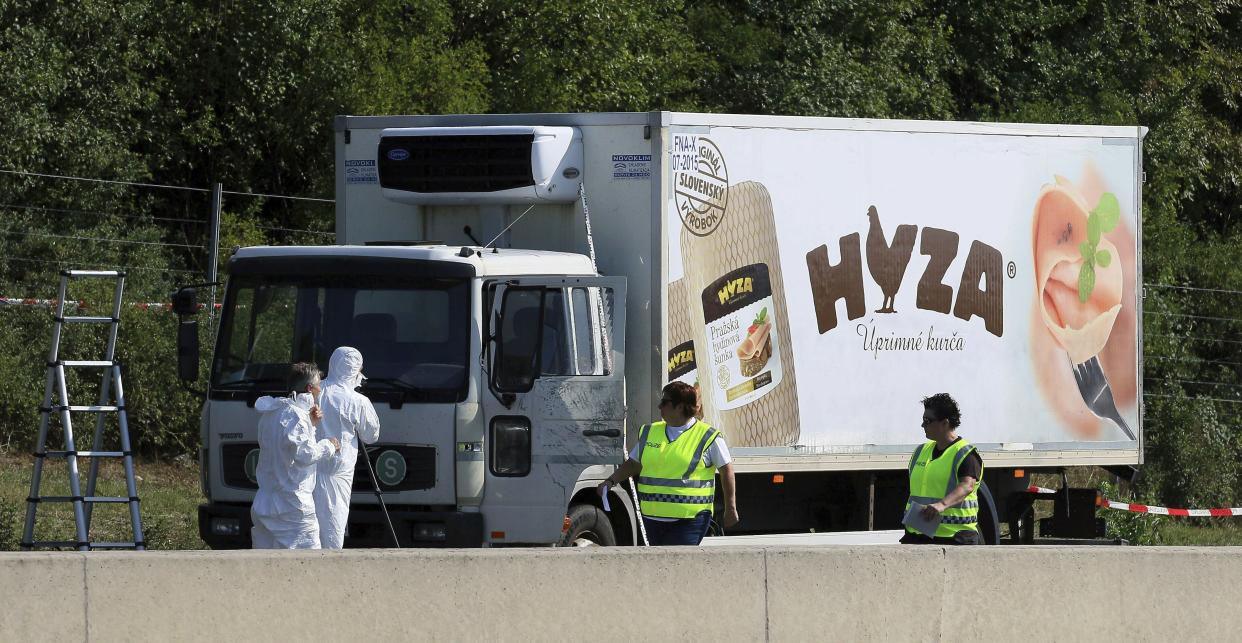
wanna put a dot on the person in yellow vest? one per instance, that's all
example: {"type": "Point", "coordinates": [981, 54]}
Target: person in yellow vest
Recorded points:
{"type": "Point", "coordinates": [674, 464]}
{"type": "Point", "coordinates": [944, 476]}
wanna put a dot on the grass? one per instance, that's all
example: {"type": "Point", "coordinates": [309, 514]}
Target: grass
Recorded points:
{"type": "Point", "coordinates": [1221, 531]}
{"type": "Point", "coordinates": [170, 497]}
{"type": "Point", "coordinates": [169, 493]}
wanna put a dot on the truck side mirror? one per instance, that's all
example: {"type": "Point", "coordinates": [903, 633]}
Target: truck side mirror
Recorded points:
{"type": "Point", "coordinates": [185, 301]}
{"type": "Point", "coordinates": [187, 350]}
{"type": "Point", "coordinates": [185, 304]}
{"type": "Point", "coordinates": [519, 339]}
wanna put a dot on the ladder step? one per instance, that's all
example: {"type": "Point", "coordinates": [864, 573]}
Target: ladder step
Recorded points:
{"type": "Point", "coordinates": [88, 320]}
{"type": "Point", "coordinates": [80, 362]}
{"type": "Point", "coordinates": [83, 409]}
{"type": "Point", "coordinates": [116, 545]}
{"type": "Point", "coordinates": [84, 274]}
{"type": "Point", "coordinates": [53, 543]}
{"type": "Point", "coordinates": [74, 543]}
{"type": "Point", "coordinates": [99, 499]}
{"type": "Point", "coordinates": [86, 454]}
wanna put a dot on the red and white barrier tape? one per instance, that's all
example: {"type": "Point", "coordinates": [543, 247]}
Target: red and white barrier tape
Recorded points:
{"type": "Point", "coordinates": [1148, 509]}
{"type": "Point", "coordinates": [18, 301]}
{"type": "Point", "coordinates": [166, 307]}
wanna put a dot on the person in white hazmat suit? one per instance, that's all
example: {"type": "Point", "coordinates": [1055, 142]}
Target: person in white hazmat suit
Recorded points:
{"type": "Point", "coordinates": [347, 416]}
{"type": "Point", "coordinates": [283, 512]}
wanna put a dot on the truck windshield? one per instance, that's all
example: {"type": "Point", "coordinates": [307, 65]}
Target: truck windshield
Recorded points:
{"type": "Point", "coordinates": [413, 332]}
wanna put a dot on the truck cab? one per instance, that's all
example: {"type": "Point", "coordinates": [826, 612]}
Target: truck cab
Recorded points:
{"type": "Point", "coordinates": [497, 376]}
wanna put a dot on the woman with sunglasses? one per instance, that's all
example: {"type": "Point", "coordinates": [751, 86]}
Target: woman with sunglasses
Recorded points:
{"type": "Point", "coordinates": [675, 463]}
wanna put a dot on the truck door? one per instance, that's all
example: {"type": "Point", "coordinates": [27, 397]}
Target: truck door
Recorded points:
{"type": "Point", "coordinates": [556, 372]}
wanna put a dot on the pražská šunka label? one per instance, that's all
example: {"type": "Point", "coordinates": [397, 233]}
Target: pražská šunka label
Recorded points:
{"type": "Point", "coordinates": [740, 325]}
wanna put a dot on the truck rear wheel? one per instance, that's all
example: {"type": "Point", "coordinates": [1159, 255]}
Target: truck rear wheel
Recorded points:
{"type": "Point", "coordinates": [588, 527]}
{"type": "Point", "coordinates": [989, 524]}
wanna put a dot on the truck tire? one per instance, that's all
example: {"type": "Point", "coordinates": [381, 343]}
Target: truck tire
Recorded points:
{"type": "Point", "coordinates": [989, 524]}
{"type": "Point", "coordinates": [588, 527]}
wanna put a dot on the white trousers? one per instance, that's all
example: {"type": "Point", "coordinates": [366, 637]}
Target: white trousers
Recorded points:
{"type": "Point", "coordinates": [332, 493]}
{"type": "Point", "coordinates": [271, 532]}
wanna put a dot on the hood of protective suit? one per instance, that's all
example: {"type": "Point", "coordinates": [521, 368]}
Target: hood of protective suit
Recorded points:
{"type": "Point", "coordinates": [269, 404]}
{"type": "Point", "coordinates": [345, 368]}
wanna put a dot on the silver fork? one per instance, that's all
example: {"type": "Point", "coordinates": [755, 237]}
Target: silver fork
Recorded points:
{"type": "Point", "coordinates": [1093, 386]}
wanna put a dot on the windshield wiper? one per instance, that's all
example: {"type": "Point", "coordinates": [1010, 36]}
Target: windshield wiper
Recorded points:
{"type": "Point", "coordinates": [250, 382]}
{"type": "Point", "coordinates": [391, 382]}
{"type": "Point", "coordinates": [394, 390]}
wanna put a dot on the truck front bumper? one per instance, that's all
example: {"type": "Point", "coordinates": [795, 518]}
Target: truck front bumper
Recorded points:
{"type": "Point", "coordinates": [227, 526]}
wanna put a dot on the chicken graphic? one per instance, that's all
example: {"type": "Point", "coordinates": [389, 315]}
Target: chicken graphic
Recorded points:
{"type": "Point", "coordinates": [886, 262]}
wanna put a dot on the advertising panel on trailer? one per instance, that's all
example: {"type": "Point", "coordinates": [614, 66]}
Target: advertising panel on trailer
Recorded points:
{"type": "Point", "coordinates": [836, 271]}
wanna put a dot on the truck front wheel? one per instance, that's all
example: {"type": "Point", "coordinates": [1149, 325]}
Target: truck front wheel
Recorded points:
{"type": "Point", "coordinates": [588, 527]}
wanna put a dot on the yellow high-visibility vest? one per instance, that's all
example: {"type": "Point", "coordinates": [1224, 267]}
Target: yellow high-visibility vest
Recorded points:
{"type": "Point", "coordinates": [932, 480]}
{"type": "Point", "coordinates": [674, 483]}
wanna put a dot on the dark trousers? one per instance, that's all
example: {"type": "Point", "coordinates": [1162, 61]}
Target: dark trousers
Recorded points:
{"type": "Point", "coordinates": [684, 531]}
{"type": "Point", "coordinates": [964, 537]}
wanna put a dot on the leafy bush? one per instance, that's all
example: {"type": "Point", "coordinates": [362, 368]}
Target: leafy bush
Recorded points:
{"type": "Point", "coordinates": [1134, 528]}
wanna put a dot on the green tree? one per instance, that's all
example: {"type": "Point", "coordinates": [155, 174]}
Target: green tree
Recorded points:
{"type": "Point", "coordinates": [413, 61]}
{"type": "Point", "coordinates": [563, 56]}
{"type": "Point", "coordinates": [822, 58]}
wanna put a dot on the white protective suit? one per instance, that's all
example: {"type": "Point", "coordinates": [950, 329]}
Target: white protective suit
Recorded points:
{"type": "Point", "coordinates": [347, 414]}
{"type": "Point", "coordinates": [283, 511]}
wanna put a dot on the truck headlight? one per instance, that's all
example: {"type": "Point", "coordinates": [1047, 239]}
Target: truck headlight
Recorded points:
{"type": "Point", "coordinates": [226, 526]}
{"type": "Point", "coordinates": [429, 531]}
{"type": "Point", "coordinates": [510, 446]}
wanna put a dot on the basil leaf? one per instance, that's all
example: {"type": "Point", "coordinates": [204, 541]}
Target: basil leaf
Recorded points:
{"type": "Point", "coordinates": [1102, 258]}
{"type": "Point", "coordinates": [1093, 229]}
{"type": "Point", "coordinates": [1108, 211]}
{"type": "Point", "coordinates": [1086, 282]}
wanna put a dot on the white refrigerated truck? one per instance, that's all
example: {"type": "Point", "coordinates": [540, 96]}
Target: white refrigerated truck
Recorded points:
{"type": "Point", "coordinates": [521, 286]}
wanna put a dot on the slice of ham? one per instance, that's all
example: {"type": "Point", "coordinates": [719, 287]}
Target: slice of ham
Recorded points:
{"type": "Point", "coordinates": [1060, 225]}
{"type": "Point", "coordinates": [754, 342]}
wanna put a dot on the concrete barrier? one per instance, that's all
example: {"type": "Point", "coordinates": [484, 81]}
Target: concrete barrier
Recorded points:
{"type": "Point", "coordinates": [626, 594]}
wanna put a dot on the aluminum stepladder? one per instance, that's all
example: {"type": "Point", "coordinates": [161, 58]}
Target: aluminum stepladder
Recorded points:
{"type": "Point", "coordinates": [56, 400]}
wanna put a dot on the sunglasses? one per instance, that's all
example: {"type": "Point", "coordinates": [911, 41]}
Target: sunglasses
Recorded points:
{"type": "Point", "coordinates": [665, 402]}
{"type": "Point", "coordinates": [927, 420]}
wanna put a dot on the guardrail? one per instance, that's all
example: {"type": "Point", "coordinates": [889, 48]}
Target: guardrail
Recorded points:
{"type": "Point", "coordinates": [900, 593]}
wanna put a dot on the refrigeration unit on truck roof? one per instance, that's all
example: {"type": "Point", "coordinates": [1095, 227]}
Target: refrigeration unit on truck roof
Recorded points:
{"type": "Point", "coordinates": [504, 164]}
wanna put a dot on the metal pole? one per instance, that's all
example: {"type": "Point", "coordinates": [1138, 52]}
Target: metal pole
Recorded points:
{"type": "Point", "coordinates": [379, 495]}
{"type": "Point", "coordinates": [213, 248]}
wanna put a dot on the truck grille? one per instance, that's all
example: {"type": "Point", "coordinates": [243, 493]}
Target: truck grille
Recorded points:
{"type": "Point", "coordinates": [419, 469]}
{"type": "Point", "coordinates": [475, 163]}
